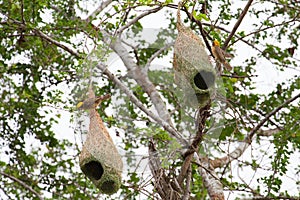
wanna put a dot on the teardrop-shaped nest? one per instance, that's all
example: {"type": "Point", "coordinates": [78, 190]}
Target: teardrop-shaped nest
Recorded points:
{"type": "Point", "coordinates": [99, 159]}
{"type": "Point", "coordinates": [191, 62]}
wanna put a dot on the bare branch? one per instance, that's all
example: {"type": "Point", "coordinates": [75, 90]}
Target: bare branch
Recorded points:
{"type": "Point", "coordinates": [103, 5]}
{"type": "Point", "coordinates": [266, 28]}
{"type": "Point", "coordinates": [271, 198]}
{"type": "Point", "coordinates": [210, 179]}
{"type": "Point", "coordinates": [219, 162]}
{"type": "Point", "coordinates": [137, 102]}
{"type": "Point", "coordinates": [157, 53]}
{"type": "Point", "coordinates": [121, 29]}
{"type": "Point", "coordinates": [139, 75]}
{"type": "Point", "coordinates": [271, 121]}
{"type": "Point", "coordinates": [22, 11]}
{"type": "Point", "coordinates": [162, 184]}
{"type": "Point", "coordinates": [239, 38]}
{"type": "Point", "coordinates": [237, 24]}
{"type": "Point", "coordinates": [291, 5]}
{"type": "Point", "coordinates": [237, 76]}
{"type": "Point", "coordinates": [253, 131]}
{"type": "Point", "coordinates": [268, 133]}
{"type": "Point", "coordinates": [184, 168]}
{"type": "Point", "coordinates": [187, 190]}
{"type": "Point", "coordinates": [49, 39]}
{"type": "Point", "coordinates": [46, 37]}
{"type": "Point", "coordinates": [202, 116]}
{"type": "Point", "coordinates": [155, 166]}
{"type": "Point", "coordinates": [23, 184]}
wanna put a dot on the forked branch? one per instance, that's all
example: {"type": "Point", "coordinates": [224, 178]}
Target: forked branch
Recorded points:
{"type": "Point", "coordinates": [219, 162]}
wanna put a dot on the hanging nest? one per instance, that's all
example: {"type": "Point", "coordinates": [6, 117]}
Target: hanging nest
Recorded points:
{"type": "Point", "coordinates": [194, 72]}
{"type": "Point", "coordinates": [99, 159]}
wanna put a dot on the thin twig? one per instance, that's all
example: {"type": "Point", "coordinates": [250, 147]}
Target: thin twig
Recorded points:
{"type": "Point", "coordinates": [237, 24]}
{"type": "Point", "coordinates": [259, 125]}
{"type": "Point", "coordinates": [157, 53]}
{"type": "Point", "coordinates": [23, 184]}
{"type": "Point", "coordinates": [237, 76]}
{"type": "Point", "coordinates": [219, 162]}
{"type": "Point", "coordinates": [266, 28]}
{"type": "Point", "coordinates": [246, 42]}
{"type": "Point", "coordinates": [121, 29]}
{"type": "Point", "coordinates": [49, 39]}
{"type": "Point", "coordinates": [103, 5]}
{"type": "Point", "coordinates": [202, 31]}
{"type": "Point", "coordinates": [271, 198]}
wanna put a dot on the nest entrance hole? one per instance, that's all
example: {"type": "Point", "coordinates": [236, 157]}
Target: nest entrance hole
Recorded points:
{"type": "Point", "coordinates": [93, 170]}
{"type": "Point", "coordinates": [108, 186]}
{"type": "Point", "coordinates": [204, 79]}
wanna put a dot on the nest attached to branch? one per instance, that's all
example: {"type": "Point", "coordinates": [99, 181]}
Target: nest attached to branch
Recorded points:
{"type": "Point", "coordinates": [194, 72]}
{"type": "Point", "coordinates": [99, 159]}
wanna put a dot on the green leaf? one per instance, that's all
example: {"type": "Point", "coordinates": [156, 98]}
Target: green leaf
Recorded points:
{"type": "Point", "coordinates": [200, 16]}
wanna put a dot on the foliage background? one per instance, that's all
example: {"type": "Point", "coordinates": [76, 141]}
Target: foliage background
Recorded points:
{"type": "Point", "coordinates": [44, 48]}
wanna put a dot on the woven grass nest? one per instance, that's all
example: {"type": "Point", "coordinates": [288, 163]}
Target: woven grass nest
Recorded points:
{"type": "Point", "coordinates": [194, 72]}
{"type": "Point", "coordinates": [99, 159]}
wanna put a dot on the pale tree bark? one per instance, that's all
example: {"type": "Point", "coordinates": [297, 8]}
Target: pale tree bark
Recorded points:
{"type": "Point", "coordinates": [139, 104]}
{"type": "Point", "coordinates": [210, 179]}
{"type": "Point", "coordinates": [98, 10]}
{"type": "Point", "coordinates": [138, 74]}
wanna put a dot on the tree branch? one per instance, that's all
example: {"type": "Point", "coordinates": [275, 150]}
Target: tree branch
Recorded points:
{"type": "Point", "coordinates": [187, 191]}
{"type": "Point", "coordinates": [136, 101]}
{"type": "Point", "coordinates": [202, 31]}
{"type": "Point", "coordinates": [253, 131]}
{"type": "Point", "coordinates": [139, 75]}
{"type": "Point", "coordinates": [202, 116]}
{"type": "Point", "coordinates": [166, 188]}
{"type": "Point", "coordinates": [237, 24]}
{"type": "Point", "coordinates": [210, 179]}
{"type": "Point", "coordinates": [157, 53]}
{"type": "Point", "coordinates": [237, 76]}
{"type": "Point", "coordinates": [184, 168]}
{"type": "Point", "coordinates": [219, 162]}
{"type": "Point", "coordinates": [268, 133]}
{"type": "Point", "coordinates": [46, 37]}
{"type": "Point", "coordinates": [272, 198]}
{"type": "Point", "coordinates": [154, 10]}
{"type": "Point", "coordinates": [103, 5]}
{"type": "Point", "coordinates": [49, 39]}
{"type": "Point", "coordinates": [266, 28]}
{"type": "Point", "coordinates": [23, 184]}
{"type": "Point", "coordinates": [248, 43]}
